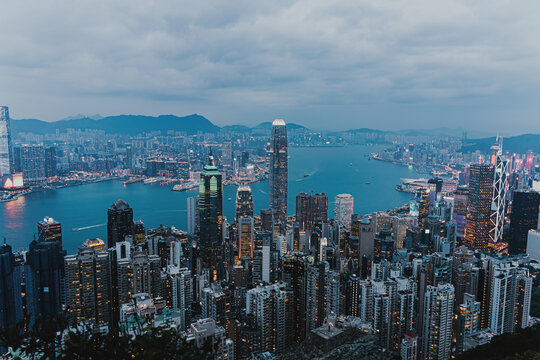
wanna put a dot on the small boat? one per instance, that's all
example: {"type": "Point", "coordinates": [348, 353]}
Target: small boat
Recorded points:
{"type": "Point", "coordinates": [306, 175]}
{"type": "Point", "coordinates": [350, 164]}
{"type": "Point", "coordinates": [367, 182]}
{"type": "Point", "coordinates": [229, 199]}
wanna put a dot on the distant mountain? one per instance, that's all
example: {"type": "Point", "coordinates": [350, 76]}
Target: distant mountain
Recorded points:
{"type": "Point", "coordinates": [81, 116]}
{"type": "Point", "coordinates": [121, 124]}
{"type": "Point", "coordinates": [518, 144]}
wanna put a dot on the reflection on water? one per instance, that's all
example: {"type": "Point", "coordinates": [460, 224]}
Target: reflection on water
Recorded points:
{"type": "Point", "coordinates": [84, 206]}
{"type": "Point", "coordinates": [14, 213]}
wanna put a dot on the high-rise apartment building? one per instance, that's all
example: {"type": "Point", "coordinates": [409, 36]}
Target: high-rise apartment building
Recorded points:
{"type": "Point", "coordinates": [273, 307]}
{"type": "Point", "coordinates": [478, 227]}
{"type": "Point", "coordinates": [278, 177]}
{"type": "Point", "coordinates": [88, 287]}
{"type": "Point", "coordinates": [32, 162]}
{"type": "Point", "coordinates": [437, 327]}
{"type": "Point", "coordinates": [468, 320]}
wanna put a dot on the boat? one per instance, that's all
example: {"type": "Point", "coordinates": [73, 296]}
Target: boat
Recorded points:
{"type": "Point", "coordinates": [367, 183]}
{"type": "Point", "coordinates": [306, 175]}
{"type": "Point", "coordinates": [186, 186]}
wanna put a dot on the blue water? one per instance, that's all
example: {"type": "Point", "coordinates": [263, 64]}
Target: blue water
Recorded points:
{"type": "Point", "coordinates": [82, 206]}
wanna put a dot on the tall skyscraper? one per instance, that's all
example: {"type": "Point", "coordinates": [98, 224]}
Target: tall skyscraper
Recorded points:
{"type": "Point", "coordinates": [6, 149]}
{"type": "Point", "coordinates": [273, 307]}
{"type": "Point", "coordinates": [343, 209]}
{"type": "Point", "coordinates": [192, 215]}
{"type": "Point", "coordinates": [245, 237]}
{"type": "Point", "coordinates": [435, 191]}
{"type": "Point", "coordinates": [478, 224]}
{"type": "Point", "coordinates": [498, 201]}
{"type": "Point", "coordinates": [49, 230]}
{"type": "Point", "coordinates": [310, 209]}
{"type": "Point", "coordinates": [227, 153]}
{"type": "Point", "coordinates": [468, 320]}
{"type": "Point", "coordinates": [524, 217]}
{"type": "Point", "coordinates": [88, 297]}
{"type": "Point", "coordinates": [244, 202]}
{"type": "Point", "coordinates": [279, 170]}
{"type": "Point", "coordinates": [211, 219]}
{"type": "Point", "coordinates": [119, 222]}
{"type": "Point", "coordinates": [32, 162]}
{"type": "Point", "coordinates": [459, 215]}
{"type": "Point", "coordinates": [50, 162]}
{"type": "Point", "coordinates": [437, 329]}
{"type": "Point", "coordinates": [10, 301]}
{"type": "Point", "coordinates": [46, 260]}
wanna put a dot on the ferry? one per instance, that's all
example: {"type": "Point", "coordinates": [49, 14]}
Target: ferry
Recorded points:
{"type": "Point", "coordinates": [186, 186]}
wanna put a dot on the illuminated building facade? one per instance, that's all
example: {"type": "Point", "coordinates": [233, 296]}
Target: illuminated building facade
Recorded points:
{"type": "Point", "coordinates": [211, 219]}
{"type": "Point", "coordinates": [279, 170]}
{"type": "Point", "coordinates": [478, 224]}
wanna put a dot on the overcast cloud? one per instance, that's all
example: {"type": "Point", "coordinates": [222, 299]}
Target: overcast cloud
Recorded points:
{"type": "Point", "coordinates": [325, 64]}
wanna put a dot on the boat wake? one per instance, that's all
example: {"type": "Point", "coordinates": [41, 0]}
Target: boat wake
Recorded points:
{"type": "Point", "coordinates": [307, 175]}
{"type": "Point", "coordinates": [87, 227]}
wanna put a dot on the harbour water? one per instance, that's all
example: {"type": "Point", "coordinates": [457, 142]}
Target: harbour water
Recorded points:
{"type": "Point", "coordinates": [331, 170]}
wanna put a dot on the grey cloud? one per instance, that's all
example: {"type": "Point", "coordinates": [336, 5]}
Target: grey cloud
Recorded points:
{"type": "Point", "coordinates": [363, 63]}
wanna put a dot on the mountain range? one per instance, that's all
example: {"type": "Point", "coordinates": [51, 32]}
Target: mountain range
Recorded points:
{"type": "Point", "coordinates": [192, 124]}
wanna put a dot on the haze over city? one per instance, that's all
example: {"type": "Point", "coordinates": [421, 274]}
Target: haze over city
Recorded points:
{"type": "Point", "coordinates": [350, 64]}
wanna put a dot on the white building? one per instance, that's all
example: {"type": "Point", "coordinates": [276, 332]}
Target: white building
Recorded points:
{"type": "Point", "coordinates": [343, 209]}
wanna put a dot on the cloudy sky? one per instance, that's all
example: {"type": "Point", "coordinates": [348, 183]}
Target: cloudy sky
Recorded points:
{"type": "Point", "coordinates": [326, 64]}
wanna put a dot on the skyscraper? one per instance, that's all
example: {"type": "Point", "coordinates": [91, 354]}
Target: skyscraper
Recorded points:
{"type": "Point", "coordinates": [278, 170]}
{"type": "Point", "coordinates": [192, 215]}
{"type": "Point", "coordinates": [310, 209]}
{"type": "Point", "coordinates": [437, 329]}
{"type": "Point", "coordinates": [524, 217]}
{"type": "Point", "coordinates": [6, 149]}
{"type": "Point", "coordinates": [46, 260]}
{"type": "Point", "coordinates": [343, 209]}
{"type": "Point", "coordinates": [10, 301]}
{"type": "Point", "coordinates": [32, 162]}
{"type": "Point", "coordinates": [119, 222]}
{"type": "Point", "coordinates": [88, 297]}
{"type": "Point", "coordinates": [498, 201]}
{"type": "Point", "coordinates": [459, 215]}
{"type": "Point", "coordinates": [479, 214]}
{"type": "Point", "coordinates": [273, 307]}
{"type": "Point", "coordinates": [211, 219]}
{"type": "Point", "coordinates": [50, 162]}
{"type": "Point", "coordinates": [245, 237]}
{"type": "Point", "coordinates": [49, 230]}
{"type": "Point", "coordinates": [244, 202]}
